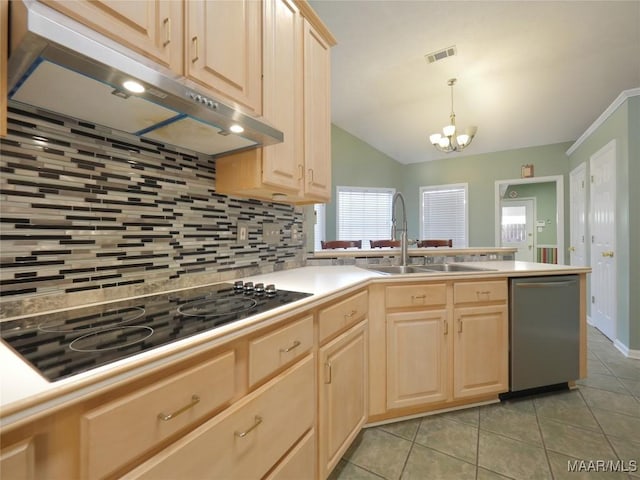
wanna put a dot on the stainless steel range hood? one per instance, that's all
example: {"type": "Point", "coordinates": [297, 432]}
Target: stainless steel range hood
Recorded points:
{"type": "Point", "coordinates": [62, 66]}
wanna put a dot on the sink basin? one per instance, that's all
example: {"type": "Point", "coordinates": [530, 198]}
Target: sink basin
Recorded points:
{"type": "Point", "coordinates": [447, 267]}
{"type": "Point", "coordinates": [397, 269]}
{"type": "Point", "coordinates": [435, 268]}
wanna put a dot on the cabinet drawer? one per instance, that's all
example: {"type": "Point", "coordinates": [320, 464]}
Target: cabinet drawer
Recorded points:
{"type": "Point", "coordinates": [342, 315]}
{"type": "Point", "coordinates": [119, 431]}
{"type": "Point", "coordinates": [300, 463]}
{"type": "Point", "coordinates": [275, 349]}
{"type": "Point", "coordinates": [246, 440]}
{"type": "Point", "coordinates": [478, 292]}
{"type": "Point", "coordinates": [416, 295]}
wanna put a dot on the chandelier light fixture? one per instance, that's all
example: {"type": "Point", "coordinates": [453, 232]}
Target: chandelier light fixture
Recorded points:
{"type": "Point", "coordinates": [450, 140]}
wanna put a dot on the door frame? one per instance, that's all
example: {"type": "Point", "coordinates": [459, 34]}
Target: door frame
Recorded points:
{"type": "Point", "coordinates": [559, 179]}
{"type": "Point", "coordinates": [610, 147]}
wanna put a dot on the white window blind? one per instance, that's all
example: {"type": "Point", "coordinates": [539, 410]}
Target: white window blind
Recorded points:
{"type": "Point", "coordinates": [443, 214]}
{"type": "Point", "coordinates": [363, 214]}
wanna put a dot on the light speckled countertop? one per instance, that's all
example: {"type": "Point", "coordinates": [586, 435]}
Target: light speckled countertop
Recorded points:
{"type": "Point", "coordinates": [24, 393]}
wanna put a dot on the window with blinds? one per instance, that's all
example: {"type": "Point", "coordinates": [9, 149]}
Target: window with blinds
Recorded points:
{"type": "Point", "coordinates": [444, 213]}
{"type": "Point", "coordinates": [363, 213]}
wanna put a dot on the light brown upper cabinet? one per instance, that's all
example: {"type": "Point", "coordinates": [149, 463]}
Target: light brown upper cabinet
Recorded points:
{"type": "Point", "coordinates": [224, 49]}
{"type": "Point", "coordinates": [317, 116]}
{"type": "Point", "coordinates": [152, 28]}
{"type": "Point", "coordinates": [296, 100]}
{"type": "Point", "coordinates": [275, 169]}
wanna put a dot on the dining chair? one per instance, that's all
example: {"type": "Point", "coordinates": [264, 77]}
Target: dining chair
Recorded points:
{"type": "Point", "coordinates": [435, 243]}
{"type": "Point", "coordinates": [341, 244]}
{"type": "Point", "coordinates": [384, 243]}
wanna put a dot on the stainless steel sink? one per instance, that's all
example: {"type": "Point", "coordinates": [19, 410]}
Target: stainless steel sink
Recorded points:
{"type": "Point", "coordinates": [435, 268]}
{"type": "Point", "coordinates": [397, 269]}
{"type": "Point", "coordinates": [448, 267]}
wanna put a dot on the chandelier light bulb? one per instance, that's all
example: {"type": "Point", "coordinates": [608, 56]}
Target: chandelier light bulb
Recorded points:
{"type": "Point", "coordinates": [435, 138]}
{"type": "Point", "coordinates": [448, 142]}
{"type": "Point", "coordinates": [449, 130]}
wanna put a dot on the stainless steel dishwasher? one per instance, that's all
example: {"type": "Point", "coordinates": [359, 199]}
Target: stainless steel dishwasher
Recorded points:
{"type": "Point", "coordinates": [544, 315]}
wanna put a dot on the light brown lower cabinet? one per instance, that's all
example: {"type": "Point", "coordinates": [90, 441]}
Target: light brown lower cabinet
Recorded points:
{"type": "Point", "coordinates": [17, 462]}
{"type": "Point", "coordinates": [247, 439]}
{"type": "Point", "coordinates": [300, 463]}
{"type": "Point", "coordinates": [480, 348]}
{"type": "Point", "coordinates": [417, 358]}
{"type": "Point", "coordinates": [445, 342]}
{"type": "Point", "coordinates": [342, 394]}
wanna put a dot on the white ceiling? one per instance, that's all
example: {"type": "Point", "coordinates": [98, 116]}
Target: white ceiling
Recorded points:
{"type": "Point", "coordinates": [529, 73]}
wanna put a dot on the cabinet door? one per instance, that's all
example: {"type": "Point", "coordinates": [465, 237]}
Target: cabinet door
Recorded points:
{"type": "Point", "coordinates": [481, 350]}
{"type": "Point", "coordinates": [282, 93]}
{"type": "Point", "coordinates": [417, 349]}
{"type": "Point", "coordinates": [224, 49]}
{"type": "Point", "coordinates": [17, 462]}
{"type": "Point", "coordinates": [342, 391]}
{"type": "Point", "coordinates": [317, 115]}
{"type": "Point", "coordinates": [152, 28]}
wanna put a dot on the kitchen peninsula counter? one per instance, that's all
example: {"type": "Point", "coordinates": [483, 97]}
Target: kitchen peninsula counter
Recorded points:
{"type": "Point", "coordinates": [25, 395]}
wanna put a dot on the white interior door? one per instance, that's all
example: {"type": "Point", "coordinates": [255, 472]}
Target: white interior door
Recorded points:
{"type": "Point", "coordinates": [578, 209]}
{"type": "Point", "coordinates": [517, 220]}
{"type": "Point", "coordinates": [602, 215]}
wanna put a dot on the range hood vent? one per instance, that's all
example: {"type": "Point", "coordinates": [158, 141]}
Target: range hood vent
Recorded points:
{"type": "Point", "coordinates": [62, 66]}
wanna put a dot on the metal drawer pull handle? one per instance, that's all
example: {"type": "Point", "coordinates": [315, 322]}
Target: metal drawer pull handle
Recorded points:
{"type": "Point", "coordinates": [257, 421]}
{"type": "Point", "coordinates": [418, 297]}
{"type": "Point", "coordinates": [350, 314]}
{"type": "Point", "coordinates": [165, 417]}
{"type": "Point", "coordinates": [446, 327]}
{"type": "Point", "coordinates": [195, 58]}
{"type": "Point", "coordinates": [459, 326]}
{"type": "Point", "coordinates": [327, 372]}
{"type": "Point", "coordinates": [483, 292]}
{"type": "Point", "coordinates": [167, 24]}
{"type": "Point", "coordinates": [287, 350]}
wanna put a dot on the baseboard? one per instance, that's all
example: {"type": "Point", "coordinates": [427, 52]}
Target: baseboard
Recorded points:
{"type": "Point", "coordinates": [626, 351]}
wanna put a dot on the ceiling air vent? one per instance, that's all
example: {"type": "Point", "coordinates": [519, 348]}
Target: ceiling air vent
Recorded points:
{"type": "Point", "coordinates": [441, 54]}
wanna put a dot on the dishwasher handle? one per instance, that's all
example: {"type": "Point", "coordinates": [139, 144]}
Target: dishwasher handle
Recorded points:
{"type": "Point", "coordinates": [566, 283]}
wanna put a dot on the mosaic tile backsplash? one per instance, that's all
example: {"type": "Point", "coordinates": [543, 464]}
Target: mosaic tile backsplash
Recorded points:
{"type": "Point", "coordinates": [89, 214]}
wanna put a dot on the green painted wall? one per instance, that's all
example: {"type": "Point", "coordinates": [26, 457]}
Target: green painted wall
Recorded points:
{"type": "Point", "coordinates": [545, 195]}
{"type": "Point", "coordinates": [623, 125]}
{"type": "Point", "coordinates": [480, 172]}
{"type": "Point", "coordinates": [357, 164]}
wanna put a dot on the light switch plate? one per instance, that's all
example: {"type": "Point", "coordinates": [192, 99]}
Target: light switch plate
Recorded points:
{"type": "Point", "coordinates": [271, 233]}
{"type": "Point", "coordinates": [242, 232]}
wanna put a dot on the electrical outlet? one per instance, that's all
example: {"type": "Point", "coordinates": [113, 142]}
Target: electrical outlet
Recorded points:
{"type": "Point", "coordinates": [242, 232]}
{"type": "Point", "coordinates": [271, 233]}
{"type": "Point", "coordinates": [295, 236]}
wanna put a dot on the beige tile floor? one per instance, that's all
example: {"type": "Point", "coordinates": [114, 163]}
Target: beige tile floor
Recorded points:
{"type": "Point", "coordinates": [528, 438]}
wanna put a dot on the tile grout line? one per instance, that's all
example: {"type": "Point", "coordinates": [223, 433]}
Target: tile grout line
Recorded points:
{"type": "Point", "coordinates": [544, 445]}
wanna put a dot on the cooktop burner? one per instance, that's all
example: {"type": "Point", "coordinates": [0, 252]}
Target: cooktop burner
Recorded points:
{"type": "Point", "coordinates": [62, 344]}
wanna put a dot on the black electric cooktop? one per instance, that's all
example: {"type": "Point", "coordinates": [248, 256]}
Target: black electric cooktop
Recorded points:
{"type": "Point", "coordinates": [62, 344]}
